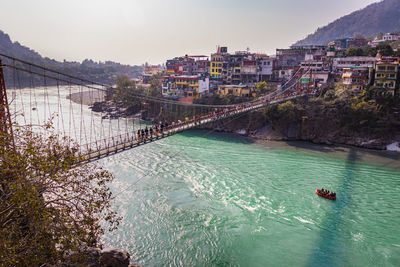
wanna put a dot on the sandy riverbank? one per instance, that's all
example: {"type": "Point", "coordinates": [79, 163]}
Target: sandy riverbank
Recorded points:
{"type": "Point", "coordinates": [87, 98]}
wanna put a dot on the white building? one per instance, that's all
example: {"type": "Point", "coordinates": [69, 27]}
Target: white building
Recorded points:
{"type": "Point", "coordinates": [390, 37]}
{"type": "Point", "coordinates": [339, 64]}
{"type": "Point", "coordinates": [312, 64]}
{"type": "Point", "coordinates": [264, 70]}
{"type": "Point", "coordinates": [204, 85]}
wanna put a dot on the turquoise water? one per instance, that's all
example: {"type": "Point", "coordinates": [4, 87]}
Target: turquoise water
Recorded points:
{"type": "Point", "coordinates": [215, 200]}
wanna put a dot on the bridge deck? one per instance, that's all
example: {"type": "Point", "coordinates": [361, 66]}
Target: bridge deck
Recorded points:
{"type": "Point", "coordinates": [132, 142]}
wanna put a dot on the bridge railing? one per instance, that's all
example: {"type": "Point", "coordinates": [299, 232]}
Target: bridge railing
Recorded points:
{"type": "Point", "coordinates": [103, 147]}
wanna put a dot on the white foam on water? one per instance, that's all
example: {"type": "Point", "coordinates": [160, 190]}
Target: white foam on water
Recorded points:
{"type": "Point", "coordinates": [259, 229]}
{"type": "Point", "coordinates": [357, 237]}
{"type": "Point", "coordinates": [302, 220]}
{"type": "Point", "coordinates": [207, 222]}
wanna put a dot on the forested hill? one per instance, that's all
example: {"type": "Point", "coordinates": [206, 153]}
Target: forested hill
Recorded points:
{"type": "Point", "coordinates": [378, 17]}
{"type": "Point", "coordinates": [102, 72]}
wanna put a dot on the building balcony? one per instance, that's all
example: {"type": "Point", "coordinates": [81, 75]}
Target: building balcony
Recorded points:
{"type": "Point", "coordinates": [386, 71]}
{"type": "Point", "coordinates": [386, 78]}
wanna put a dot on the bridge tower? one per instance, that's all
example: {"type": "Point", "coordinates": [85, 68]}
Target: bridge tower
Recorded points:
{"type": "Point", "coordinates": [299, 85]}
{"type": "Point", "coordinates": [310, 83]}
{"type": "Point", "coordinates": [5, 117]}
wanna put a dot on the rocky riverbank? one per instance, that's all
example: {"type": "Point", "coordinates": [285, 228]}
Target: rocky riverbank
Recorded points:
{"type": "Point", "coordinates": [318, 131]}
{"type": "Point", "coordinates": [87, 97]}
{"type": "Point", "coordinates": [108, 257]}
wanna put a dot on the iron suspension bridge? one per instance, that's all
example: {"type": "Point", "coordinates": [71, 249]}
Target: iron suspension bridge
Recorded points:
{"type": "Point", "coordinates": [48, 96]}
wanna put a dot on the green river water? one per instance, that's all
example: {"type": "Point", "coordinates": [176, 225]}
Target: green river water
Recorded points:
{"type": "Point", "coordinates": [196, 199]}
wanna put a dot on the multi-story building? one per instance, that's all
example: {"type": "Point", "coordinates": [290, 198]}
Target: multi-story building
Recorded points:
{"type": "Point", "coordinates": [312, 64]}
{"type": "Point", "coordinates": [387, 76]}
{"type": "Point", "coordinates": [314, 72]}
{"type": "Point", "coordinates": [217, 61]}
{"type": "Point", "coordinates": [188, 65]}
{"type": "Point", "coordinates": [339, 64]}
{"type": "Point", "coordinates": [183, 85]}
{"type": "Point", "coordinates": [201, 65]}
{"type": "Point", "coordinates": [292, 57]}
{"type": "Point", "coordinates": [242, 67]}
{"type": "Point", "coordinates": [357, 77]}
{"type": "Point", "coordinates": [237, 90]}
{"type": "Point", "coordinates": [264, 68]}
{"type": "Point", "coordinates": [174, 66]}
{"type": "Point", "coordinates": [232, 68]}
{"type": "Point", "coordinates": [314, 78]}
{"type": "Point", "coordinates": [248, 72]}
{"type": "Point", "coordinates": [390, 37]}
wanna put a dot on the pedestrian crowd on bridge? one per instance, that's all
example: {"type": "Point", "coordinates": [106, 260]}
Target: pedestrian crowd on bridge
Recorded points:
{"type": "Point", "coordinates": [162, 128]}
{"type": "Point", "coordinates": [158, 130]}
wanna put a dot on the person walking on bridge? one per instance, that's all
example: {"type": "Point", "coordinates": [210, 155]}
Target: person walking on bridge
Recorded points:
{"type": "Point", "coordinates": [162, 128]}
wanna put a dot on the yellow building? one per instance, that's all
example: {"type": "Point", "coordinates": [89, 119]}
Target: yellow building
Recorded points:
{"type": "Point", "coordinates": [216, 65]}
{"type": "Point", "coordinates": [186, 83]}
{"type": "Point", "coordinates": [237, 90]}
{"type": "Point", "coordinates": [217, 61]}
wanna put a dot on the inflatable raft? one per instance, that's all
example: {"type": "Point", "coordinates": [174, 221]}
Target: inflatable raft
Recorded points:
{"type": "Point", "coordinates": [319, 193]}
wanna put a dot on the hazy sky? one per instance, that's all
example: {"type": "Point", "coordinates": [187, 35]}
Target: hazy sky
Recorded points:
{"type": "Point", "coordinates": [134, 32]}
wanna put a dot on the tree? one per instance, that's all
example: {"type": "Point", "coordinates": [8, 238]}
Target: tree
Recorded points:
{"type": "Point", "coordinates": [354, 52]}
{"type": "Point", "coordinates": [51, 206]}
{"type": "Point", "coordinates": [385, 49]}
{"type": "Point", "coordinates": [261, 88]}
{"type": "Point", "coordinates": [127, 93]}
{"type": "Point", "coordinates": [287, 111]}
{"type": "Point", "coordinates": [155, 88]}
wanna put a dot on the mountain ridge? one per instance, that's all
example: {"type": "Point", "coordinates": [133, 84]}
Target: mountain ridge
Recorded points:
{"type": "Point", "coordinates": [101, 72]}
{"type": "Point", "coordinates": [383, 16]}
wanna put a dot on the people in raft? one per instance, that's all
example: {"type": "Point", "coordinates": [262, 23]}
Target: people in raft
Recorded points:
{"type": "Point", "coordinates": [326, 192]}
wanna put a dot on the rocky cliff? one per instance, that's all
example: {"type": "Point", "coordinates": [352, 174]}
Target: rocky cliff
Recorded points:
{"type": "Point", "coordinates": [316, 122]}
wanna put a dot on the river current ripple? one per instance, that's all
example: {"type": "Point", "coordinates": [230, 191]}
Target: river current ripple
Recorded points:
{"type": "Point", "coordinates": [216, 200]}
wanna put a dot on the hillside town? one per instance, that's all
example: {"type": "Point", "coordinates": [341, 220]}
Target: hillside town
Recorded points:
{"type": "Point", "coordinates": [314, 67]}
